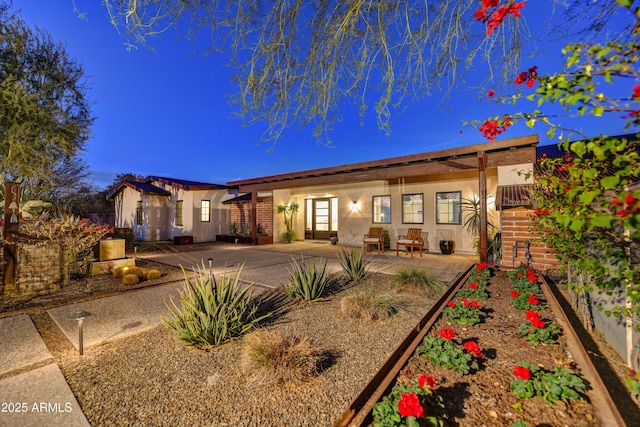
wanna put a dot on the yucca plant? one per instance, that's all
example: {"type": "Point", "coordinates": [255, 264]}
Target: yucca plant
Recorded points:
{"type": "Point", "coordinates": [212, 312]}
{"type": "Point", "coordinates": [306, 281]}
{"type": "Point", "coordinates": [354, 264]}
{"type": "Point", "coordinates": [419, 277]}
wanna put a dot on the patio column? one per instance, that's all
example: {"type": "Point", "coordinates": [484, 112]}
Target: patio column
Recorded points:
{"type": "Point", "coordinates": [482, 188]}
{"type": "Point", "coordinates": [254, 214]}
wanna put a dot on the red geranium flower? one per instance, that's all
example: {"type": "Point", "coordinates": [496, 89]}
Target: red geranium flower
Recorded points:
{"type": "Point", "coordinates": [475, 304]}
{"type": "Point", "coordinates": [533, 300]}
{"type": "Point", "coordinates": [447, 333]}
{"type": "Point", "coordinates": [409, 405]}
{"type": "Point", "coordinates": [481, 266]}
{"type": "Point", "coordinates": [538, 323]}
{"type": "Point", "coordinates": [473, 347]}
{"type": "Point", "coordinates": [532, 314]}
{"type": "Point", "coordinates": [451, 304]}
{"type": "Point", "coordinates": [473, 285]}
{"type": "Point", "coordinates": [425, 379]}
{"type": "Point", "coordinates": [522, 372]}
{"type": "Point", "coordinates": [466, 302]}
{"type": "Point", "coordinates": [515, 294]}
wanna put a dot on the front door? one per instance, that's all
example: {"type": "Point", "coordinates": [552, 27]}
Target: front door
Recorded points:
{"type": "Point", "coordinates": [321, 219]}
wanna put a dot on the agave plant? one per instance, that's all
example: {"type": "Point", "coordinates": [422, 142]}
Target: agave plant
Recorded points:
{"type": "Point", "coordinates": [306, 281]}
{"type": "Point", "coordinates": [354, 265]}
{"type": "Point", "coordinates": [212, 312]}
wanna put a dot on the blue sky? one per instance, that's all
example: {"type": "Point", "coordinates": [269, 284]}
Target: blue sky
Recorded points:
{"type": "Point", "coordinates": [166, 112]}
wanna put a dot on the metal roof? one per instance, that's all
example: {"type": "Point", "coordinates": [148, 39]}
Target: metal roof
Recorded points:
{"type": "Point", "coordinates": [142, 187]}
{"type": "Point", "coordinates": [185, 184]}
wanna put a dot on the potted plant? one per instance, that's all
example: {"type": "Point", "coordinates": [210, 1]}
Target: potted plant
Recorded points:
{"type": "Point", "coordinates": [447, 245]}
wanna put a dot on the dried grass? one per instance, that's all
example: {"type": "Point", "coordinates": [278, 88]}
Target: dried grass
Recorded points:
{"type": "Point", "coordinates": [271, 358]}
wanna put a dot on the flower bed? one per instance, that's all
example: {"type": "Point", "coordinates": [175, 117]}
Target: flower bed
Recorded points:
{"type": "Point", "coordinates": [516, 363]}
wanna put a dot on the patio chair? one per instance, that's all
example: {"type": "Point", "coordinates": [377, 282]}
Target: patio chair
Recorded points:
{"type": "Point", "coordinates": [375, 236]}
{"type": "Point", "coordinates": [413, 240]}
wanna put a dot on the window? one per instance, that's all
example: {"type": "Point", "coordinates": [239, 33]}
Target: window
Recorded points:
{"type": "Point", "coordinates": [204, 211]}
{"type": "Point", "coordinates": [178, 213]}
{"type": "Point", "coordinates": [381, 209]}
{"type": "Point", "coordinates": [412, 209]}
{"type": "Point", "coordinates": [448, 207]}
{"type": "Point", "coordinates": [139, 213]}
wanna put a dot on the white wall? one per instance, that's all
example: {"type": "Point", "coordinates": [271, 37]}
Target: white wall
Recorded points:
{"type": "Point", "coordinates": [352, 225]}
{"type": "Point", "coordinates": [515, 174]}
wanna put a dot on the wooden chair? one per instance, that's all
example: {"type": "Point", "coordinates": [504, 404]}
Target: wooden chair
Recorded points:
{"type": "Point", "coordinates": [413, 240]}
{"type": "Point", "coordinates": [375, 236]}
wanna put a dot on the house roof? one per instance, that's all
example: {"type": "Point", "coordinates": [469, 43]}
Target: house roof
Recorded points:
{"type": "Point", "coordinates": [506, 152]}
{"type": "Point", "coordinates": [245, 198]}
{"type": "Point", "coordinates": [142, 187]}
{"type": "Point", "coordinates": [185, 184]}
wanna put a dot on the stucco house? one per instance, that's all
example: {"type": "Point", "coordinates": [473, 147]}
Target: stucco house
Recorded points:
{"type": "Point", "coordinates": [424, 190]}
{"type": "Point", "coordinates": [162, 208]}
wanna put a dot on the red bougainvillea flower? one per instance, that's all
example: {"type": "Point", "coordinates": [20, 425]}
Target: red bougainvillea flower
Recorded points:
{"type": "Point", "coordinates": [473, 347]}
{"type": "Point", "coordinates": [616, 202]}
{"type": "Point", "coordinates": [533, 300]}
{"type": "Point", "coordinates": [538, 323]}
{"type": "Point", "coordinates": [473, 285]}
{"type": "Point", "coordinates": [630, 200]}
{"type": "Point", "coordinates": [492, 128]}
{"type": "Point", "coordinates": [447, 333]}
{"type": "Point", "coordinates": [532, 314]}
{"type": "Point", "coordinates": [451, 304]}
{"type": "Point", "coordinates": [490, 93]}
{"type": "Point", "coordinates": [622, 213]}
{"type": "Point", "coordinates": [515, 294]}
{"type": "Point", "coordinates": [409, 405]}
{"type": "Point", "coordinates": [522, 372]}
{"type": "Point", "coordinates": [636, 91]}
{"type": "Point", "coordinates": [428, 380]}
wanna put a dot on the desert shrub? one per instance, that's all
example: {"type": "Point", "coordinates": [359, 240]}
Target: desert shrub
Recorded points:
{"type": "Point", "coordinates": [272, 358]}
{"type": "Point", "coordinates": [420, 278]}
{"type": "Point", "coordinates": [354, 264]}
{"type": "Point", "coordinates": [212, 312]}
{"type": "Point", "coordinates": [130, 279]}
{"type": "Point", "coordinates": [368, 305]}
{"type": "Point", "coordinates": [153, 274]}
{"type": "Point", "coordinates": [306, 281]}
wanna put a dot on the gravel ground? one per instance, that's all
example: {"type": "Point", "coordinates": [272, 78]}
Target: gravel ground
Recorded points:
{"type": "Point", "coordinates": [152, 379]}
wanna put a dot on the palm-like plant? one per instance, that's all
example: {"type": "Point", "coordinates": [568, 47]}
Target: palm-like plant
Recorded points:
{"type": "Point", "coordinates": [287, 212]}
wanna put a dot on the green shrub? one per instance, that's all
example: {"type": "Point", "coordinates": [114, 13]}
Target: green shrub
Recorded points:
{"type": "Point", "coordinates": [153, 274]}
{"type": "Point", "coordinates": [419, 277]}
{"type": "Point", "coordinates": [271, 358]}
{"type": "Point", "coordinates": [306, 281]}
{"type": "Point", "coordinates": [354, 265]}
{"type": "Point", "coordinates": [212, 313]}
{"type": "Point", "coordinates": [130, 279]}
{"type": "Point", "coordinates": [367, 305]}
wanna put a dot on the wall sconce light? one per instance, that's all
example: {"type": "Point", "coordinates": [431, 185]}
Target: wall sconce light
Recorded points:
{"type": "Point", "coordinates": [353, 206]}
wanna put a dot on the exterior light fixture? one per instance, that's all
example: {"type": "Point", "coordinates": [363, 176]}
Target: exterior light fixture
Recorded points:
{"type": "Point", "coordinates": [79, 316]}
{"type": "Point", "coordinates": [354, 206]}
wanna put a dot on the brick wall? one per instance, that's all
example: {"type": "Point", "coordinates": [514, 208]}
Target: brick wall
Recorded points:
{"type": "Point", "coordinates": [516, 225]}
{"type": "Point", "coordinates": [241, 215]}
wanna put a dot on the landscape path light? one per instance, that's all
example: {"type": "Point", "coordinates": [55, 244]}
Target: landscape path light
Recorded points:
{"type": "Point", "coordinates": [79, 316]}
